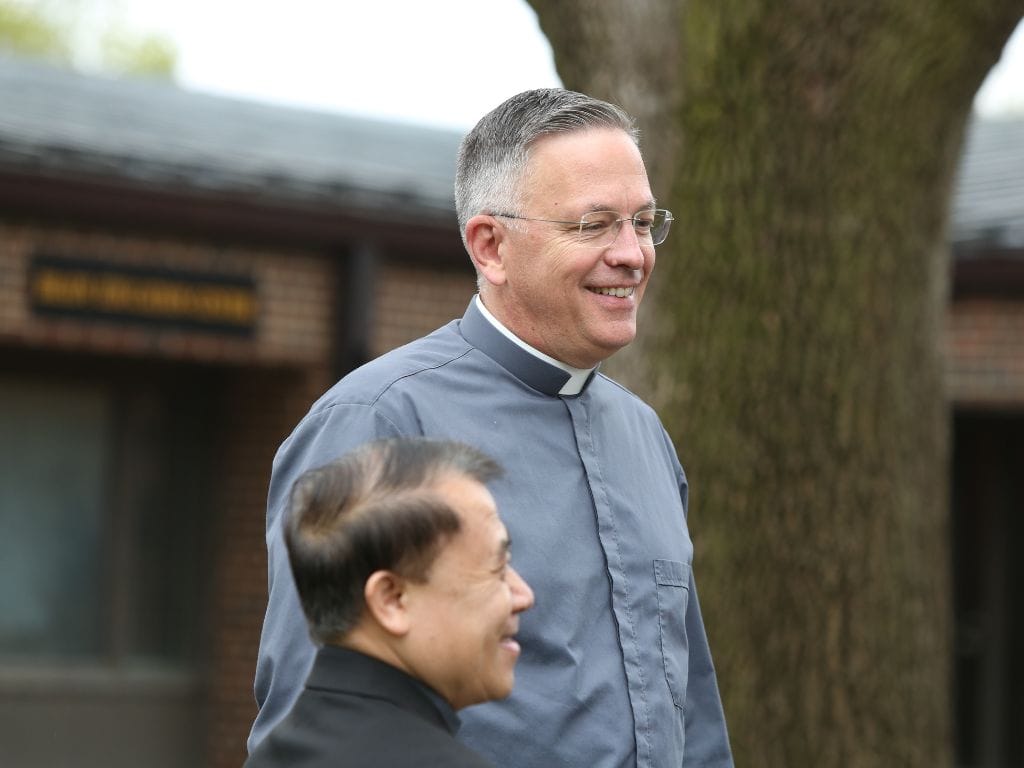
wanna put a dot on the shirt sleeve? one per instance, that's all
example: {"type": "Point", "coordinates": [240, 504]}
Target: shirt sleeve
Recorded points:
{"type": "Point", "coordinates": [286, 651]}
{"type": "Point", "coordinates": [707, 738]}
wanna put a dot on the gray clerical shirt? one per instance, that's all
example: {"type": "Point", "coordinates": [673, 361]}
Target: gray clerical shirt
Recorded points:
{"type": "Point", "coordinates": [615, 670]}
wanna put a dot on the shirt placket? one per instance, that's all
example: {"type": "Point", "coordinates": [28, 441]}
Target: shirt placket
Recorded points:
{"type": "Point", "coordinates": [618, 578]}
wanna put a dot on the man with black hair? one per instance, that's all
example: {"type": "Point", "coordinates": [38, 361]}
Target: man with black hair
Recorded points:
{"type": "Point", "coordinates": [402, 567]}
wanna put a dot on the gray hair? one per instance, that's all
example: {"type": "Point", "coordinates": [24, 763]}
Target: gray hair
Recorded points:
{"type": "Point", "coordinates": [494, 155]}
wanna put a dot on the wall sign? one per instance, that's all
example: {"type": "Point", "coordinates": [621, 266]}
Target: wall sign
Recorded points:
{"type": "Point", "coordinates": [69, 287]}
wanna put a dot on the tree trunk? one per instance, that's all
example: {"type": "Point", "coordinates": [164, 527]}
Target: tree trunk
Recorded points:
{"type": "Point", "coordinates": [792, 345]}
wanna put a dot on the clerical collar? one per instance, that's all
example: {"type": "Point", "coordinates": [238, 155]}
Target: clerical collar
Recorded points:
{"type": "Point", "coordinates": [540, 371]}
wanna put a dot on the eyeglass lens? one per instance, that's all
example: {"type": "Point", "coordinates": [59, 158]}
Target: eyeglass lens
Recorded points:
{"type": "Point", "coordinates": [602, 227]}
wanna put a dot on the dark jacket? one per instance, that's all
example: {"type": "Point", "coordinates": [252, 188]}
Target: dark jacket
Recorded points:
{"type": "Point", "coordinates": [358, 712]}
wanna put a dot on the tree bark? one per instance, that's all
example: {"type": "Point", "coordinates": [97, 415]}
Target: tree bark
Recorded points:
{"type": "Point", "coordinates": [792, 343]}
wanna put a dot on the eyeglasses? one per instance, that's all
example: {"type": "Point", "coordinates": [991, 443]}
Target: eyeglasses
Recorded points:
{"type": "Point", "coordinates": [600, 228]}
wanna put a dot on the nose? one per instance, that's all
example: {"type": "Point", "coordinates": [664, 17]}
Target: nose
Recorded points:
{"type": "Point", "coordinates": [522, 595]}
{"type": "Point", "coordinates": [625, 249]}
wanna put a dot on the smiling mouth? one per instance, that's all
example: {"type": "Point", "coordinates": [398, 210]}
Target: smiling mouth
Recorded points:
{"type": "Point", "coordinates": [621, 292]}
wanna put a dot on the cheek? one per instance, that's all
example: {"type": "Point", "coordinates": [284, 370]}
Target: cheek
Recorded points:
{"type": "Point", "coordinates": [650, 257]}
{"type": "Point", "coordinates": [563, 262]}
{"type": "Point", "coordinates": [648, 269]}
{"type": "Point", "coordinates": [496, 606]}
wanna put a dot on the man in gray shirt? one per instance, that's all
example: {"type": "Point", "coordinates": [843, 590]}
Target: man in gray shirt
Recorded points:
{"type": "Point", "coordinates": [561, 225]}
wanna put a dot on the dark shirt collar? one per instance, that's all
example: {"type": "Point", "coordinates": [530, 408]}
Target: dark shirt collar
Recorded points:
{"type": "Point", "coordinates": [527, 367]}
{"type": "Point", "coordinates": [343, 669]}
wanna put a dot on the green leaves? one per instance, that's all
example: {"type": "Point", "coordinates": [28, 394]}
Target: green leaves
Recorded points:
{"type": "Point", "coordinates": [62, 34]}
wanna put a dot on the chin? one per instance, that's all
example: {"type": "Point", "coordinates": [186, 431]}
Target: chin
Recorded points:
{"type": "Point", "coordinates": [620, 334]}
{"type": "Point", "coordinates": [503, 692]}
{"type": "Point", "coordinates": [611, 346]}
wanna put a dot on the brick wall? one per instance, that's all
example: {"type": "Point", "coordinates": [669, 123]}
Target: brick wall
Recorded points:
{"type": "Point", "coordinates": [412, 301]}
{"type": "Point", "coordinates": [260, 409]}
{"type": "Point", "coordinates": [985, 353]}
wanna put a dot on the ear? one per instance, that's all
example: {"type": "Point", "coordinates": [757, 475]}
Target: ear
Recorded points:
{"type": "Point", "coordinates": [484, 238]}
{"type": "Point", "coordinates": [385, 595]}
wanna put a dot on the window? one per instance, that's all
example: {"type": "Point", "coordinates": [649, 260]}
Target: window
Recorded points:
{"type": "Point", "coordinates": [102, 506]}
{"type": "Point", "coordinates": [105, 520]}
{"type": "Point", "coordinates": [54, 458]}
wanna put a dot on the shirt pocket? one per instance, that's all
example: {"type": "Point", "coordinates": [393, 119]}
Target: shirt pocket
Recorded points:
{"type": "Point", "coordinates": [672, 578]}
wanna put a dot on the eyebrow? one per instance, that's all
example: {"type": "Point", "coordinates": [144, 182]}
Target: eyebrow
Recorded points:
{"type": "Point", "coordinates": [649, 205]}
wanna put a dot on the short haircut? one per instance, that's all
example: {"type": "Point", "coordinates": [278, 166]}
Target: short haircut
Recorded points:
{"type": "Point", "coordinates": [494, 155]}
{"type": "Point", "coordinates": [375, 508]}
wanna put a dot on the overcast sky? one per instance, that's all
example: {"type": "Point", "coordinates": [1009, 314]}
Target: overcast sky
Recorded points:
{"type": "Point", "coordinates": [443, 63]}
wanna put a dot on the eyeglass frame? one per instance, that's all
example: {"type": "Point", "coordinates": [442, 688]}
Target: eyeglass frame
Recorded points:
{"type": "Point", "coordinates": [617, 224]}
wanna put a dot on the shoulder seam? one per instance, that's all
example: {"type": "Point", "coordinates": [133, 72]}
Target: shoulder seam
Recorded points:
{"type": "Point", "coordinates": [372, 402]}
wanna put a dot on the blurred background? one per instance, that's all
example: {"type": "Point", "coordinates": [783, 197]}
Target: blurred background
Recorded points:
{"type": "Point", "coordinates": [208, 213]}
